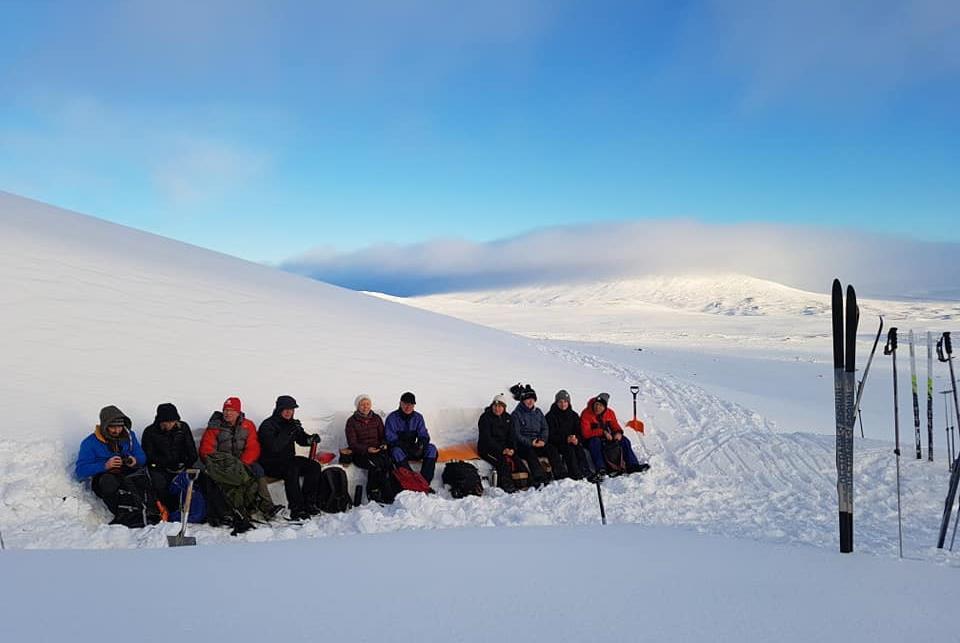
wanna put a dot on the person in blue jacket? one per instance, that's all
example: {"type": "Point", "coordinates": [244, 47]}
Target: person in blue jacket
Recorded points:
{"type": "Point", "coordinates": [408, 439]}
{"type": "Point", "coordinates": [532, 431]}
{"type": "Point", "coordinates": [112, 459]}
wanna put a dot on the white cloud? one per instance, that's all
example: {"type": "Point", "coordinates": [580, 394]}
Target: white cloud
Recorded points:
{"type": "Point", "coordinates": [800, 256]}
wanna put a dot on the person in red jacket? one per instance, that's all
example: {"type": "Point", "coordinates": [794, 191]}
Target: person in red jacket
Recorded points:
{"type": "Point", "coordinates": [600, 429]}
{"type": "Point", "coordinates": [368, 442]}
{"type": "Point", "coordinates": [228, 431]}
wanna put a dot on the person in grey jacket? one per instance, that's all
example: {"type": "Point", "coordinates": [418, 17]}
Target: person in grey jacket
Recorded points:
{"type": "Point", "coordinates": [532, 432]}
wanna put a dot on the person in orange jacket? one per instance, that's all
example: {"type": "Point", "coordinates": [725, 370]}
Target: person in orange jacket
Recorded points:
{"type": "Point", "coordinates": [601, 431]}
{"type": "Point", "coordinates": [228, 431]}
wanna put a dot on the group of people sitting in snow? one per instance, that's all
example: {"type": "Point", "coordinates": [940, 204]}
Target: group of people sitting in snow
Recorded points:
{"type": "Point", "coordinates": [144, 482]}
{"type": "Point", "coordinates": [562, 438]}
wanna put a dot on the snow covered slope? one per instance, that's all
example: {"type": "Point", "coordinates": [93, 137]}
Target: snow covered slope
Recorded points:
{"type": "Point", "coordinates": [96, 313]}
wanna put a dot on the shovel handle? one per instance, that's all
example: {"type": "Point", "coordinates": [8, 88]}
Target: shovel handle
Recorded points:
{"type": "Point", "coordinates": [185, 510]}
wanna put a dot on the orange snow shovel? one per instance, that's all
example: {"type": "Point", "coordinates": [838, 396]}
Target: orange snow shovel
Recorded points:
{"type": "Point", "coordinates": [635, 424]}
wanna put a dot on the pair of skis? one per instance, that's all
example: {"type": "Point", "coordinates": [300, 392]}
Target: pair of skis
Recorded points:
{"type": "Point", "coordinates": [845, 397]}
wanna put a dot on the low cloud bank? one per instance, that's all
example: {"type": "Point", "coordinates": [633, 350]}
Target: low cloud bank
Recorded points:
{"type": "Point", "coordinates": [799, 256]}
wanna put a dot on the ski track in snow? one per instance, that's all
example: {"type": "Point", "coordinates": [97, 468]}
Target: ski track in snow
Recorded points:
{"type": "Point", "coordinates": [716, 467]}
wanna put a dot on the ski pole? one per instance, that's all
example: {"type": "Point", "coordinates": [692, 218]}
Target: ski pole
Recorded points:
{"type": "Point", "coordinates": [866, 371]}
{"type": "Point", "coordinates": [945, 346]}
{"type": "Point", "coordinates": [946, 428]}
{"type": "Point", "coordinates": [603, 512]}
{"type": "Point", "coordinates": [954, 536]}
{"type": "Point", "coordinates": [891, 350]}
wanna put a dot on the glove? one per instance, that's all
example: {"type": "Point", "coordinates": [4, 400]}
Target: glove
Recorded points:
{"type": "Point", "coordinates": [315, 438]}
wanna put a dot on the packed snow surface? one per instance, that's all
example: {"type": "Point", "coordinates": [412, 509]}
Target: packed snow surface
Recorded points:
{"type": "Point", "coordinates": [623, 583]}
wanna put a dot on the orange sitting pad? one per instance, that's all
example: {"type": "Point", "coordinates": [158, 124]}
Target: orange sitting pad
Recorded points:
{"type": "Point", "coordinates": [463, 451]}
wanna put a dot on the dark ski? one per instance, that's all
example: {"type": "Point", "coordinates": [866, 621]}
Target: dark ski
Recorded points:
{"type": "Point", "coordinates": [914, 391]}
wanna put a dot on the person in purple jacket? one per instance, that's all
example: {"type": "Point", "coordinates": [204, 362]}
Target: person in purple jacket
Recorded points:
{"type": "Point", "coordinates": [408, 439]}
{"type": "Point", "coordinates": [112, 459]}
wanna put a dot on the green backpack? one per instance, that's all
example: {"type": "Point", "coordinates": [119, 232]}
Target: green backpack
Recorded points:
{"type": "Point", "coordinates": [238, 485]}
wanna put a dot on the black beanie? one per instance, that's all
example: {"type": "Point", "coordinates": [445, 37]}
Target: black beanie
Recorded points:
{"type": "Point", "coordinates": [167, 412]}
{"type": "Point", "coordinates": [408, 398]}
{"type": "Point", "coordinates": [286, 402]}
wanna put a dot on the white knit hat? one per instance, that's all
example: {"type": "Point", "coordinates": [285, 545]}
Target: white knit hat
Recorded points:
{"type": "Point", "coordinates": [499, 398]}
{"type": "Point", "coordinates": [361, 398]}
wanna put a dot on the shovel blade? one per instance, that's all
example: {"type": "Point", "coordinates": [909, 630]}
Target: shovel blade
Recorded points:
{"type": "Point", "coordinates": [636, 425]}
{"type": "Point", "coordinates": [181, 541]}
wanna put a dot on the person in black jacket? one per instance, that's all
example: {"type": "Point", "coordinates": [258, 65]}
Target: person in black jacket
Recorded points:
{"type": "Point", "coordinates": [497, 442]}
{"type": "Point", "coordinates": [278, 457]}
{"type": "Point", "coordinates": [170, 449]}
{"type": "Point", "coordinates": [564, 425]}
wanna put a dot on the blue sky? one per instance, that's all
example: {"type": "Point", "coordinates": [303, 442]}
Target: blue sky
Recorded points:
{"type": "Point", "coordinates": [277, 130]}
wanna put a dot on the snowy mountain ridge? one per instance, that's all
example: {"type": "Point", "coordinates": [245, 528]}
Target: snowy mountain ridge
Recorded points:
{"type": "Point", "coordinates": [719, 294]}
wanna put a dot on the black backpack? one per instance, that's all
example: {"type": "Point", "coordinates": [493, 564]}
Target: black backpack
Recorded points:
{"type": "Point", "coordinates": [382, 487]}
{"type": "Point", "coordinates": [334, 495]}
{"type": "Point", "coordinates": [613, 457]}
{"type": "Point", "coordinates": [463, 479]}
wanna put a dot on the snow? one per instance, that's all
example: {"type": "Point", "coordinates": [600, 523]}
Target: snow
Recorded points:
{"type": "Point", "coordinates": [627, 582]}
{"type": "Point", "coordinates": [734, 524]}
{"type": "Point", "coordinates": [759, 343]}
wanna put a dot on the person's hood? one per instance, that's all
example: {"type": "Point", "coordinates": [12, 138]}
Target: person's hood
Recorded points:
{"type": "Point", "coordinates": [107, 415]}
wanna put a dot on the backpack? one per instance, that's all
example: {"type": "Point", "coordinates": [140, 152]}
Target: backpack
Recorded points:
{"type": "Point", "coordinates": [240, 489]}
{"type": "Point", "coordinates": [134, 504]}
{"type": "Point", "coordinates": [197, 512]}
{"type": "Point", "coordinates": [463, 478]}
{"type": "Point", "coordinates": [382, 487]}
{"type": "Point", "coordinates": [410, 480]}
{"type": "Point", "coordinates": [613, 457]}
{"type": "Point", "coordinates": [334, 495]}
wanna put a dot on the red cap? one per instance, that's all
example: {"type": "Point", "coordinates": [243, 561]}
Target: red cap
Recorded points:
{"type": "Point", "coordinates": [232, 404]}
